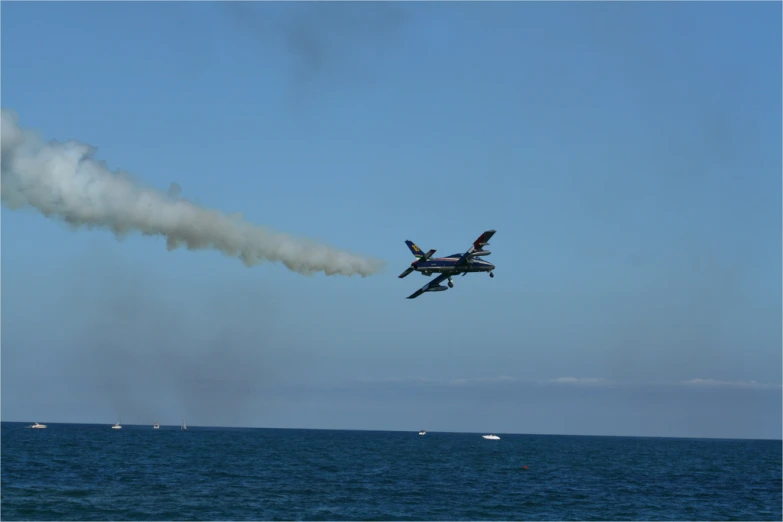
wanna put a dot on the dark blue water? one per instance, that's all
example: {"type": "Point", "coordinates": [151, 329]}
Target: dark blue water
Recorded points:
{"type": "Point", "coordinates": [91, 472]}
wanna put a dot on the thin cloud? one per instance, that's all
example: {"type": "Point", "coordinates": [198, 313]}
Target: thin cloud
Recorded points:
{"type": "Point", "coordinates": [580, 380]}
{"type": "Point", "coordinates": [460, 382]}
{"type": "Point", "coordinates": [482, 380]}
{"type": "Point", "coordinates": [402, 380]}
{"type": "Point", "coordinates": [728, 384]}
{"type": "Point", "coordinates": [567, 380]}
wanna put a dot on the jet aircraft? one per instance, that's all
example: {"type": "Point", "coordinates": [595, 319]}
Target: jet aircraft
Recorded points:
{"type": "Point", "coordinates": [449, 266]}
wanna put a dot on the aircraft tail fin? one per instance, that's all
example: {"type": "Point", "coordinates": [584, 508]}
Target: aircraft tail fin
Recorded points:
{"type": "Point", "coordinates": [415, 250]}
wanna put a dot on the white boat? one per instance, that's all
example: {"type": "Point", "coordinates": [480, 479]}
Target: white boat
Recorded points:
{"type": "Point", "coordinates": [491, 437]}
{"type": "Point", "coordinates": [156, 426]}
{"type": "Point", "coordinates": [116, 427]}
{"type": "Point", "coordinates": [38, 426]}
{"type": "Point", "coordinates": [422, 432]}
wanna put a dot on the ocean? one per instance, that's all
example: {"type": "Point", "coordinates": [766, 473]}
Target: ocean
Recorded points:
{"type": "Point", "coordinates": [91, 472]}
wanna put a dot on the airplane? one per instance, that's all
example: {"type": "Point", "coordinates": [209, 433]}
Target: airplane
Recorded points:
{"type": "Point", "coordinates": [449, 266]}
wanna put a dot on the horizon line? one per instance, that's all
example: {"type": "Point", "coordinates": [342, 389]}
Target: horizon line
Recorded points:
{"type": "Point", "coordinates": [777, 439]}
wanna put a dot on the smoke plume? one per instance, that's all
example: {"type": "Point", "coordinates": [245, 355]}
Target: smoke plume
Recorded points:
{"type": "Point", "coordinates": [63, 180]}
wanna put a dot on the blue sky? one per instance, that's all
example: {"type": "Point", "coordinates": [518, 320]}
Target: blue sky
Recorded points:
{"type": "Point", "coordinates": [629, 156]}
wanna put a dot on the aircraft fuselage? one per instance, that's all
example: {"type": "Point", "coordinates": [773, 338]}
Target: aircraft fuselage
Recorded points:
{"type": "Point", "coordinates": [448, 265]}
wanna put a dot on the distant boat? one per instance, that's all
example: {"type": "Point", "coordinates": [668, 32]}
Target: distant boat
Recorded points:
{"type": "Point", "coordinates": [183, 427]}
{"type": "Point", "coordinates": [156, 426]}
{"type": "Point", "coordinates": [422, 432]}
{"type": "Point", "coordinates": [38, 426]}
{"type": "Point", "coordinates": [491, 437]}
{"type": "Point", "coordinates": [116, 427]}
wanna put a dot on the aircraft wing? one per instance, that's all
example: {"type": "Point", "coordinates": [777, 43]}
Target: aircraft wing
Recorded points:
{"type": "Point", "coordinates": [477, 246]}
{"type": "Point", "coordinates": [482, 241]}
{"type": "Point", "coordinates": [429, 286]}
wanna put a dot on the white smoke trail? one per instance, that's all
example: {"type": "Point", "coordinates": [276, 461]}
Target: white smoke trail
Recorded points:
{"type": "Point", "coordinates": [63, 180]}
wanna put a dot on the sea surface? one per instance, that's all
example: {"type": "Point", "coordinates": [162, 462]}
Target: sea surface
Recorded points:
{"type": "Point", "coordinates": [91, 472]}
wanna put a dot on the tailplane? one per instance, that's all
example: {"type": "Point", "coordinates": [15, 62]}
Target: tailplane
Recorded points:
{"type": "Point", "coordinates": [421, 257]}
